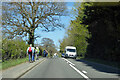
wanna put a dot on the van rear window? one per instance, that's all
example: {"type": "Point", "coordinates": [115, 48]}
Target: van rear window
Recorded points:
{"type": "Point", "coordinates": [71, 50]}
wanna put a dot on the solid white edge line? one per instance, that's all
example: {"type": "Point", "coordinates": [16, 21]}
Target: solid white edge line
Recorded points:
{"type": "Point", "coordinates": [71, 62]}
{"type": "Point", "coordinates": [68, 61]}
{"type": "Point", "coordinates": [80, 72]}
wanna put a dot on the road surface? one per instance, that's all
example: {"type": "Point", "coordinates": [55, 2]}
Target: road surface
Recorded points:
{"type": "Point", "coordinates": [70, 68]}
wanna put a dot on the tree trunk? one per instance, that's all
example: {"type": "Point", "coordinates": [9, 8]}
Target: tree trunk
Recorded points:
{"type": "Point", "coordinates": [31, 38]}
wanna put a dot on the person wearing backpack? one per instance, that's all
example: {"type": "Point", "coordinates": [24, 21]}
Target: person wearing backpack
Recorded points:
{"type": "Point", "coordinates": [30, 52]}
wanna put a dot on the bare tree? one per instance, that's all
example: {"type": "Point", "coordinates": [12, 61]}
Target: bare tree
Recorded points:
{"type": "Point", "coordinates": [23, 18]}
{"type": "Point", "coordinates": [49, 45]}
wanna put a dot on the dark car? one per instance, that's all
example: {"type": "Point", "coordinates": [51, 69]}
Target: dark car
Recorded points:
{"type": "Point", "coordinates": [63, 55]}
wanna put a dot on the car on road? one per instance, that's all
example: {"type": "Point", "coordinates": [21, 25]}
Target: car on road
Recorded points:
{"type": "Point", "coordinates": [70, 52]}
{"type": "Point", "coordinates": [63, 55]}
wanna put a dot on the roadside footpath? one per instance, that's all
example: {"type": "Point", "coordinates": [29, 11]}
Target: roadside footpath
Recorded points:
{"type": "Point", "coordinates": [19, 70]}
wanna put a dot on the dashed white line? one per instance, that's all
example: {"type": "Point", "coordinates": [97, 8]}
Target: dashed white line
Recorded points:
{"type": "Point", "coordinates": [72, 65]}
{"type": "Point", "coordinates": [87, 78]}
{"type": "Point", "coordinates": [84, 72]}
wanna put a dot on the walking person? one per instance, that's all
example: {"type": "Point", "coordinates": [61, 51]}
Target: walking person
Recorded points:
{"type": "Point", "coordinates": [44, 53]}
{"type": "Point", "coordinates": [37, 52]}
{"type": "Point", "coordinates": [34, 54]}
{"type": "Point", "coordinates": [30, 52]}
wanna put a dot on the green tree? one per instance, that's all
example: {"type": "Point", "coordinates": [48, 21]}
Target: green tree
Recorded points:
{"type": "Point", "coordinates": [13, 48]}
{"type": "Point", "coordinates": [77, 32]}
{"type": "Point", "coordinates": [103, 24]}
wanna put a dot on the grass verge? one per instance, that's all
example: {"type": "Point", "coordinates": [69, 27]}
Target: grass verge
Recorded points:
{"type": "Point", "coordinates": [109, 63]}
{"type": "Point", "coordinates": [13, 62]}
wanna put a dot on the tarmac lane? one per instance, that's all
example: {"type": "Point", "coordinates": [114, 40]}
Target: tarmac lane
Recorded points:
{"type": "Point", "coordinates": [61, 68]}
{"type": "Point", "coordinates": [52, 68]}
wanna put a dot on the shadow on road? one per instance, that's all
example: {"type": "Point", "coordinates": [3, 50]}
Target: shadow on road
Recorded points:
{"type": "Point", "coordinates": [100, 67]}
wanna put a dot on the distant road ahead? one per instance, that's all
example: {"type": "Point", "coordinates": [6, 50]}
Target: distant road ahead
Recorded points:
{"type": "Point", "coordinates": [70, 68]}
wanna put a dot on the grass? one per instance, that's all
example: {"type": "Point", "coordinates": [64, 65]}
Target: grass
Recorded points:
{"type": "Point", "coordinates": [80, 58]}
{"type": "Point", "coordinates": [109, 63]}
{"type": "Point", "coordinates": [13, 62]}
{"type": "Point", "coordinates": [39, 56]}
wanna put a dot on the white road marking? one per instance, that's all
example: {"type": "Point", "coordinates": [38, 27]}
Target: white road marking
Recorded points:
{"type": "Point", "coordinates": [72, 65]}
{"type": "Point", "coordinates": [68, 61]}
{"type": "Point", "coordinates": [87, 78]}
{"type": "Point", "coordinates": [84, 72]}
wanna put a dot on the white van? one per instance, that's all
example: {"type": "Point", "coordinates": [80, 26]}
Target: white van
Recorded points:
{"type": "Point", "coordinates": [70, 51]}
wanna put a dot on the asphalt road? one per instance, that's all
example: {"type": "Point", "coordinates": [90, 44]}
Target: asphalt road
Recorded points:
{"type": "Point", "coordinates": [70, 68]}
